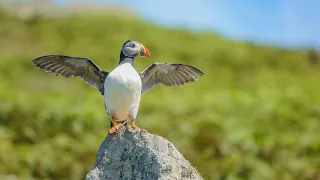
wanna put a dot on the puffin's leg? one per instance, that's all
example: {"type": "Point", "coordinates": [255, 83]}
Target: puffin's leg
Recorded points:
{"type": "Point", "coordinates": [114, 126]}
{"type": "Point", "coordinates": [132, 116]}
{"type": "Point", "coordinates": [133, 123]}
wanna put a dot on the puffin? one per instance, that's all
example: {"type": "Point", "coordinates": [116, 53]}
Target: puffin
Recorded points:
{"type": "Point", "coordinates": [123, 86]}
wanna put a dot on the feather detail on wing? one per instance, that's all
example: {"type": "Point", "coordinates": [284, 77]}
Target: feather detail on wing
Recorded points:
{"type": "Point", "coordinates": [71, 67]}
{"type": "Point", "coordinates": [168, 74]}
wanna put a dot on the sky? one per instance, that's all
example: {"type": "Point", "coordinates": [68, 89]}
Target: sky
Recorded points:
{"type": "Point", "coordinates": [289, 23]}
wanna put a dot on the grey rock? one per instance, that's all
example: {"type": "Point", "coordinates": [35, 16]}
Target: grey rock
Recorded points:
{"type": "Point", "coordinates": [136, 154]}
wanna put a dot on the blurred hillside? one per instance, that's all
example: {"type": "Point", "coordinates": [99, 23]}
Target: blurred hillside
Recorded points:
{"type": "Point", "coordinates": [254, 115]}
{"type": "Point", "coordinates": [31, 8]}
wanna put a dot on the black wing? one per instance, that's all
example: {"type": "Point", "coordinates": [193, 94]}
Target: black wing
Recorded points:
{"type": "Point", "coordinates": [73, 66]}
{"type": "Point", "coordinates": [168, 74]}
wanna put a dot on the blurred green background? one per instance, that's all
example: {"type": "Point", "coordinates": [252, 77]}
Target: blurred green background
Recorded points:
{"type": "Point", "coordinates": [254, 115]}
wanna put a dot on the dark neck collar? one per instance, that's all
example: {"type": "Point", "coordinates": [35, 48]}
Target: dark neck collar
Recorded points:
{"type": "Point", "coordinates": [125, 59]}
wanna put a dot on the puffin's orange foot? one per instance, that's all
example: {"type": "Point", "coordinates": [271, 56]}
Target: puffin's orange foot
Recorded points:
{"type": "Point", "coordinates": [114, 129]}
{"type": "Point", "coordinates": [133, 124]}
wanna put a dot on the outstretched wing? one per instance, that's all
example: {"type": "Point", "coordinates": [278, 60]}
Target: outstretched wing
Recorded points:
{"type": "Point", "coordinates": [168, 74]}
{"type": "Point", "coordinates": [71, 67]}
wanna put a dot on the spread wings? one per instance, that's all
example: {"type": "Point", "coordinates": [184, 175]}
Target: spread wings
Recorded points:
{"type": "Point", "coordinates": [168, 74]}
{"type": "Point", "coordinates": [71, 67]}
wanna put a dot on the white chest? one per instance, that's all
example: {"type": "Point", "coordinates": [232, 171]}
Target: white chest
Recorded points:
{"type": "Point", "coordinates": [122, 92]}
{"type": "Point", "coordinates": [123, 78]}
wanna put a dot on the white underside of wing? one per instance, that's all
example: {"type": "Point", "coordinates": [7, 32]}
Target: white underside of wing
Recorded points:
{"type": "Point", "coordinates": [123, 92]}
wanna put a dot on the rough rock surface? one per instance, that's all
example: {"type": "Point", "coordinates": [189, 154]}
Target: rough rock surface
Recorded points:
{"type": "Point", "coordinates": [136, 154]}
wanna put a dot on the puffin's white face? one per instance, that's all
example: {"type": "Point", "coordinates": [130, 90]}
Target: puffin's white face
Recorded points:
{"type": "Point", "coordinates": [134, 48]}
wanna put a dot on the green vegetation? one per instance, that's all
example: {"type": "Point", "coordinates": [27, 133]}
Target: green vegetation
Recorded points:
{"type": "Point", "coordinates": [254, 115]}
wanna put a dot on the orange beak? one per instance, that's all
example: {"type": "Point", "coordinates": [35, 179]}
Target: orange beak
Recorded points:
{"type": "Point", "coordinates": [146, 52]}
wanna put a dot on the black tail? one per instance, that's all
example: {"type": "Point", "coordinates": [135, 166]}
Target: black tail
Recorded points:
{"type": "Point", "coordinates": [124, 123]}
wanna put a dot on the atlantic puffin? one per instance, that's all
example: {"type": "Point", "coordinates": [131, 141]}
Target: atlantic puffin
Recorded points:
{"type": "Point", "coordinates": [123, 86]}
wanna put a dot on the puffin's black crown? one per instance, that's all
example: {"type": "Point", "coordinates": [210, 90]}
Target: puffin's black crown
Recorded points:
{"type": "Point", "coordinates": [126, 42]}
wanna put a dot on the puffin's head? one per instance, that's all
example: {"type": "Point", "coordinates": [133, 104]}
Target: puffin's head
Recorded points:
{"type": "Point", "coordinates": [133, 49]}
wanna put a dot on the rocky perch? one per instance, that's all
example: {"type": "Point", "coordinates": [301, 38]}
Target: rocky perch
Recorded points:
{"type": "Point", "coordinates": [136, 154]}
